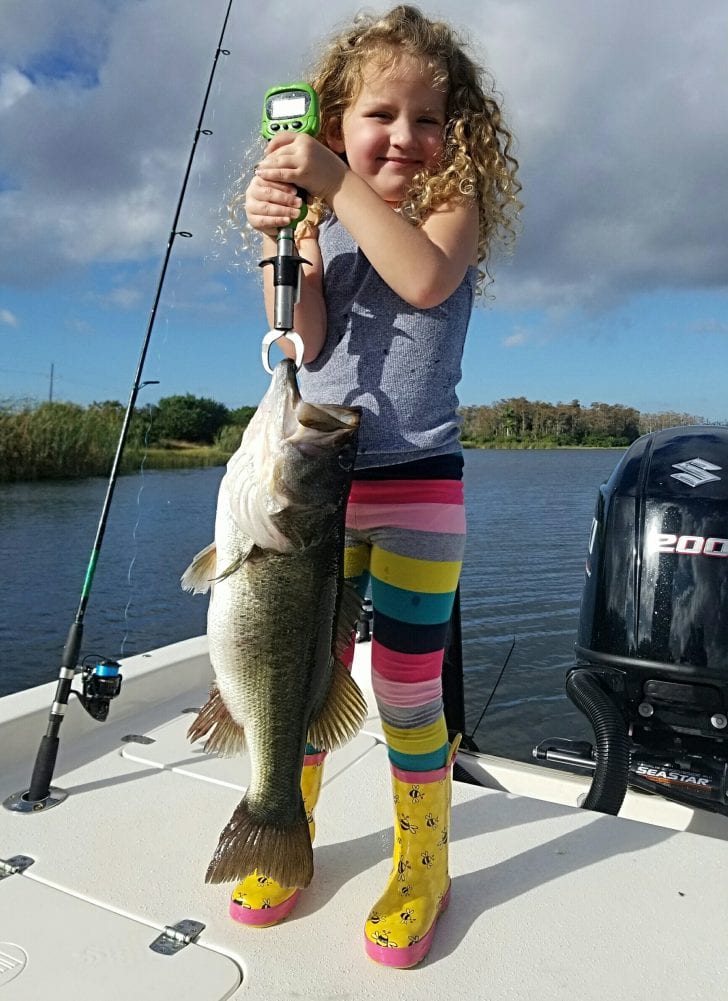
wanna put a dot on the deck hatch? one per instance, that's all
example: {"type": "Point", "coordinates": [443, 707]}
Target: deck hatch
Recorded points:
{"type": "Point", "coordinates": [170, 749]}
{"type": "Point", "coordinates": [84, 950]}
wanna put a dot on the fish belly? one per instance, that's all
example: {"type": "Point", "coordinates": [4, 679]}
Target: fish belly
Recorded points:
{"type": "Point", "coordinates": [270, 627]}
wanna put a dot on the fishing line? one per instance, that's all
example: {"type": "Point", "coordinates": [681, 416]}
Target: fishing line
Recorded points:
{"type": "Point", "coordinates": [495, 686]}
{"type": "Point", "coordinates": [132, 562]}
{"type": "Point", "coordinates": [102, 684]}
{"type": "Point", "coordinates": [135, 530]}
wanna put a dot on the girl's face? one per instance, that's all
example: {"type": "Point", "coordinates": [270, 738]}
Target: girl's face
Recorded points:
{"type": "Point", "coordinates": [393, 128]}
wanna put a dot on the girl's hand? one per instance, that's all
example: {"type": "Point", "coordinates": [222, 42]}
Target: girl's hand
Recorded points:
{"type": "Point", "coordinates": [301, 160]}
{"type": "Point", "coordinates": [270, 205]}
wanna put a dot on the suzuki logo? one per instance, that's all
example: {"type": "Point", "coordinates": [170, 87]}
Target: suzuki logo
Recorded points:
{"type": "Point", "coordinates": [695, 472]}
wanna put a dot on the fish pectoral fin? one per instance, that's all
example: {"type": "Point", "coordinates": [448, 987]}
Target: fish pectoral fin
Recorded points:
{"type": "Point", "coordinates": [200, 574]}
{"type": "Point", "coordinates": [224, 736]}
{"type": "Point", "coordinates": [249, 554]}
{"type": "Point", "coordinates": [342, 714]}
{"type": "Point", "coordinates": [249, 843]}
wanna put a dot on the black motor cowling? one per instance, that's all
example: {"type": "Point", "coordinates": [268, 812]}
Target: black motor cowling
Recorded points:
{"type": "Point", "coordinates": [655, 598]}
{"type": "Point", "coordinates": [653, 629]}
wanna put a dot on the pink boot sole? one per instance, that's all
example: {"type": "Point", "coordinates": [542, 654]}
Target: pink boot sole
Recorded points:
{"type": "Point", "coordinates": [263, 917]}
{"type": "Point", "coordinates": [403, 959]}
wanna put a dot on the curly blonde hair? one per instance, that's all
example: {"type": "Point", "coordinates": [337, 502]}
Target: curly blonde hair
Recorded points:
{"type": "Point", "coordinates": [477, 162]}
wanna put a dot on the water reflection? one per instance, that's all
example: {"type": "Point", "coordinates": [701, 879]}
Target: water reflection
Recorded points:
{"type": "Point", "coordinates": [529, 515]}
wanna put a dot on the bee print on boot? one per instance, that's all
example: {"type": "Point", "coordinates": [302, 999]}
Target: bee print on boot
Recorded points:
{"type": "Point", "coordinates": [416, 794]}
{"type": "Point", "coordinates": [382, 938]}
{"type": "Point", "coordinates": [406, 824]}
{"type": "Point", "coordinates": [402, 866]}
{"type": "Point", "coordinates": [427, 859]}
{"type": "Point", "coordinates": [431, 821]}
{"type": "Point", "coordinates": [407, 916]}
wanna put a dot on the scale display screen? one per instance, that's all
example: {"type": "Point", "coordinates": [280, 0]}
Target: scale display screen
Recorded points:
{"type": "Point", "coordinates": [292, 106]}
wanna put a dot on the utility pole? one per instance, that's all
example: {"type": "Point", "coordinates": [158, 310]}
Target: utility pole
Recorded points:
{"type": "Point", "coordinates": [50, 392]}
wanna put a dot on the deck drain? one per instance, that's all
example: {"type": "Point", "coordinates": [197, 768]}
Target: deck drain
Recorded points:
{"type": "Point", "coordinates": [13, 961]}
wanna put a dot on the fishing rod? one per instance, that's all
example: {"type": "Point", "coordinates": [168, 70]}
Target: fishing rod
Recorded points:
{"type": "Point", "coordinates": [102, 681]}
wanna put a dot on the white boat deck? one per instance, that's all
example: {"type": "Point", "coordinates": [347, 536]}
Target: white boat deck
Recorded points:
{"type": "Point", "coordinates": [548, 901]}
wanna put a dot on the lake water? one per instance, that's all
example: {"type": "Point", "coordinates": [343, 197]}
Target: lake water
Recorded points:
{"type": "Point", "coordinates": [529, 514]}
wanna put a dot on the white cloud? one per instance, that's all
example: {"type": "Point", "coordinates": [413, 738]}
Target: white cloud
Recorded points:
{"type": "Point", "coordinates": [13, 86]}
{"type": "Point", "coordinates": [125, 297]}
{"type": "Point", "coordinates": [7, 318]}
{"type": "Point", "coordinates": [516, 340]}
{"type": "Point", "coordinates": [621, 139]}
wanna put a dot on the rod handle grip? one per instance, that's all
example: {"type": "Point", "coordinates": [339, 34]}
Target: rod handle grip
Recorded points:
{"type": "Point", "coordinates": [45, 763]}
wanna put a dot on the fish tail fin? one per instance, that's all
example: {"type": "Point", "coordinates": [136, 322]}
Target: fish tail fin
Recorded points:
{"type": "Point", "coordinates": [248, 844]}
{"type": "Point", "coordinates": [200, 574]}
{"type": "Point", "coordinates": [342, 714]}
{"type": "Point", "coordinates": [224, 736]}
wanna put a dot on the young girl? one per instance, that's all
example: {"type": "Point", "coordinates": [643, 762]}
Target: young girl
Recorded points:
{"type": "Point", "coordinates": [411, 179]}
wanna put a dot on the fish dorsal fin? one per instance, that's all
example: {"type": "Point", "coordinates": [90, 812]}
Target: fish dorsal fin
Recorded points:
{"type": "Point", "coordinates": [344, 711]}
{"type": "Point", "coordinates": [342, 714]}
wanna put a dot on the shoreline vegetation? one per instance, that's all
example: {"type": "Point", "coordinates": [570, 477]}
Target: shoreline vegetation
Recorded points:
{"type": "Point", "coordinates": [56, 440]}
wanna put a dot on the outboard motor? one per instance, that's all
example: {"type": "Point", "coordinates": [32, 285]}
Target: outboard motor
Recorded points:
{"type": "Point", "coordinates": [651, 670]}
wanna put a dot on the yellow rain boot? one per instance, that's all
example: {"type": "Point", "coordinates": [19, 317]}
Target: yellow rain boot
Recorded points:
{"type": "Point", "coordinates": [401, 926]}
{"type": "Point", "coordinates": [259, 900]}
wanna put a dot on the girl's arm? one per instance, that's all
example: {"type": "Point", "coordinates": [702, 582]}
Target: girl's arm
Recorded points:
{"type": "Point", "coordinates": [423, 265]}
{"type": "Point", "coordinates": [269, 207]}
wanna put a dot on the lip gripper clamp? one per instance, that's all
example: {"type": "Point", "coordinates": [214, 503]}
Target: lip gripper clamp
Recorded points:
{"type": "Point", "coordinates": [287, 289]}
{"type": "Point", "coordinates": [275, 335]}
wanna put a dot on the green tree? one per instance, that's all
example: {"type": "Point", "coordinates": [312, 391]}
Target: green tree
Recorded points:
{"type": "Point", "coordinates": [241, 416]}
{"type": "Point", "coordinates": [228, 438]}
{"type": "Point", "coordinates": [189, 418]}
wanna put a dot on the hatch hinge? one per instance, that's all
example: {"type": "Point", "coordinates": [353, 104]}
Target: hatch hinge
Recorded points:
{"type": "Point", "coordinates": [14, 865]}
{"type": "Point", "coordinates": [176, 937]}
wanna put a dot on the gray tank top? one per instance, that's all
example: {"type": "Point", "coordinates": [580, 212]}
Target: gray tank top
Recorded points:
{"type": "Point", "coordinates": [400, 364]}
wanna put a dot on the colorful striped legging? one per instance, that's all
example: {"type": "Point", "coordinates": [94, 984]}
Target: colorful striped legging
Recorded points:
{"type": "Point", "coordinates": [407, 537]}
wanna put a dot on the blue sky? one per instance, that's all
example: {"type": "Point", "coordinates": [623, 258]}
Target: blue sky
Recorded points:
{"type": "Point", "coordinates": [617, 290]}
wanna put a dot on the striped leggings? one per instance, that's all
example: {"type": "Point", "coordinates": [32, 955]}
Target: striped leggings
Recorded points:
{"type": "Point", "coordinates": [407, 538]}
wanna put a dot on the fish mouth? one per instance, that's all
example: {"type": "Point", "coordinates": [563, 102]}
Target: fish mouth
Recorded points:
{"type": "Point", "coordinates": [327, 418]}
{"type": "Point", "coordinates": [324, 418]}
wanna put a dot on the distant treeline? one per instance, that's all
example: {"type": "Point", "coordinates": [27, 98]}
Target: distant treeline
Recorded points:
{"type": "Point", "coordinates": [63, 440]}
{"type": "Point", "coordinates": [520, 423]}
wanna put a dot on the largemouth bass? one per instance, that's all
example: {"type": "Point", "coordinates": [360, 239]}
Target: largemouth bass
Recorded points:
{"type": "Point", "coordinates": [278, 620]}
